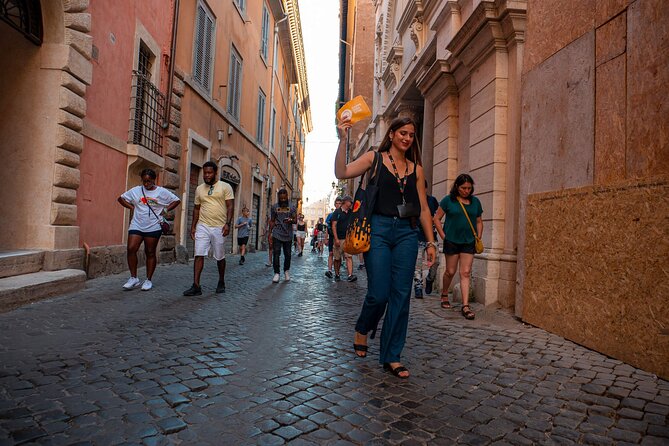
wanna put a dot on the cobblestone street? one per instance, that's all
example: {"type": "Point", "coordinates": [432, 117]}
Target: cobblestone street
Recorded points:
{"type": "Point", "coordinates": [273, 363]}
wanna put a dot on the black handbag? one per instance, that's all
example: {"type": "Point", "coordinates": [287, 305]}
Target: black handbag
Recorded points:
{"type": "Point", "coordinates": [164, 226]}
{"type": "Point", "coordinates": [359, 232]}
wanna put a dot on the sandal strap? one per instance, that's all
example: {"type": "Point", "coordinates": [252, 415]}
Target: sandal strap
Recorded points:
{"type": "Point", "coordinates": [360, 347]}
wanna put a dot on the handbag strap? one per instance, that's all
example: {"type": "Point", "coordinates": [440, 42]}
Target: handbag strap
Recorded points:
{"type": "Point", "coordinates": [376, 167]}
{"type": "Point", "coordinates": [147, 203]}
{"type": "Point", "coordinates": [468, 220]}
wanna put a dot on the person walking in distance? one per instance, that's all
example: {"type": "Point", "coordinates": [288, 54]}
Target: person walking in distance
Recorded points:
{"type": "Point", "coordinates": [147, 202]}
{"type": "Point", "coordinates": [321, 237]}
{"type": "Point", "coordinates": [340, 221]}
{"type": "Point", "coordinates": [212, 213]}
{"type": "Point", "coordinates": [400, 205]}
{"type": "Point", "coordinates": [330, 236]}
{"type": "Point", "coordinates": [283, 215]}
{"type": "Point", "coordinates": [301, 234]}
{"type": "Point", "coordinates": [433, 204]}
{"type": "Point", "coordinates": [243, 225]}
{"type": "Point", "coordinates": [459, 241]}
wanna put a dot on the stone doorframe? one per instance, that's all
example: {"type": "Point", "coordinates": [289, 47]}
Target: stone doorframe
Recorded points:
{"type": "Point", "coordinates": [67, 47]}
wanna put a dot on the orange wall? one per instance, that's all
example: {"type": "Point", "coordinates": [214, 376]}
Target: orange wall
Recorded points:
{"type": "Point", "coordinates": [103, 169]}
{"type": "Point", "coordinates": [103, 179]}
{"type": "Point", "coordinates": [108, 98]}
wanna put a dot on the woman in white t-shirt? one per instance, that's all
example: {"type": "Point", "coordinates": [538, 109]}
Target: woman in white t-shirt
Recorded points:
{"type": "Point", "coordinates": [147, 203]}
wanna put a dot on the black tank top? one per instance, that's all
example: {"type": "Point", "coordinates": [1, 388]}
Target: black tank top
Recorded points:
{"type": "Point", "coordinates": [389, 192]}
{"type": "Point", "coordinates": [301, 227]}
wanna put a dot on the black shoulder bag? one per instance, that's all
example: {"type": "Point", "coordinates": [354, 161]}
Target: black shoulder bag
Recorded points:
{"type": "Point", "coordinates": [164, 226]}
{"type": "Point", "coordinates": [359, 231]}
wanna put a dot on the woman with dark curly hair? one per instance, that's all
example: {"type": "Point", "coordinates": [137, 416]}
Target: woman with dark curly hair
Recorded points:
{"type": "Point", "coordinates": [459, 241]}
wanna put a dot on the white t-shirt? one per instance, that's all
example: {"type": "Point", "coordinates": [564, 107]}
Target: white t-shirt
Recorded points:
{"type": "Point", "coordinates": [142, 218]}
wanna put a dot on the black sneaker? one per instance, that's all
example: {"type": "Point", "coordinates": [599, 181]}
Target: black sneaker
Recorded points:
{"type": "Point", "coordinates": [428, 286]}
{"type": "Point", "coordinates": [220, 287]}
{"type": "Point", "coordinates": [418, 292]}
{"type": "Point", "coordinates": [352, 278]}
{"type": "Point", "coordinates": [242, 260]}
{"type": "Point", "coordinates": [337, 277]}
{"type": "Point", "coordinates": [193, 291]}
{"type": "Point", "coordinates": [361, 266]}
{"type": "Point", "coordinates": [328, 274]}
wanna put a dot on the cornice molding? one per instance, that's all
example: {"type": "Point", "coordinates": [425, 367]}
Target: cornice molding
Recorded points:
{"type": "Point", "coordinates": [297, 43]}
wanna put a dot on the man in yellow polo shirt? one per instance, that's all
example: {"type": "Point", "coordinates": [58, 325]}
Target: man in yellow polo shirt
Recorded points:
{"type": "Point", "coordinates": [214, 204]}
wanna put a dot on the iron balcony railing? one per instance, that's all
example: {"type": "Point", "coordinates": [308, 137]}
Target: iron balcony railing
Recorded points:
{"type": "Point", "coordinates": [147, 105]}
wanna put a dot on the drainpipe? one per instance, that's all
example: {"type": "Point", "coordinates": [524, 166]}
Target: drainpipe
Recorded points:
{"type": "Point", "coordinates": [170, 76]}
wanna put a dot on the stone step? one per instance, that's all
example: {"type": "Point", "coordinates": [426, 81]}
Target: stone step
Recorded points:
{"type": "Point", "coordinates": [14, 263]}
{"type": "Point", "coordinates": [20, 290]}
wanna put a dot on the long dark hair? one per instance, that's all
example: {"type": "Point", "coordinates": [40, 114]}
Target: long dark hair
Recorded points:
{"type": "Point", "coordinates": [413, 154]}
{"type": "Point", "coordinates": [459, 181]}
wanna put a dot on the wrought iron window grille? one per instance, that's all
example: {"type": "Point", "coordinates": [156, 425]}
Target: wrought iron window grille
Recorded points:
{"type": "Point", "coordinates": [25, 16]}
{"type": "Point", "coordinates": [147, 105]}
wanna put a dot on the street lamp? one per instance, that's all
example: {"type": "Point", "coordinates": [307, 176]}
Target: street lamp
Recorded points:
{"type": "Point", "coordinates": [334, 184]}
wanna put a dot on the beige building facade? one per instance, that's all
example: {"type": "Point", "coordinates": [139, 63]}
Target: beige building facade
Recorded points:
{"type": "Point", "coordinates": [245, 104]}
{"type": "Point", "coordinates": [455, 67]}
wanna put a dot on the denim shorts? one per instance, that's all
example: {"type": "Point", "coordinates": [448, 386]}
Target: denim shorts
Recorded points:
{"type": "Point", "coordinates": [451, 248]}
{"type": "Point", "coordinates": [152, 234]}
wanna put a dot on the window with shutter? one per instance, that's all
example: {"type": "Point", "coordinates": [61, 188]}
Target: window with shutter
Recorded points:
{"type": "Point", "coordinates": [264, 40]}
{"type": "Point", "coordinates": [234, 83]}
{"type": "Point", "coordinates": [203, 47]}
{"type": "Point", "coordinates": [260, 128]}
{"type": "Point", "coordinates": [241, 4]}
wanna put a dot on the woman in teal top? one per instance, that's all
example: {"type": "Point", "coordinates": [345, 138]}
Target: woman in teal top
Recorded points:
{"type": "Point", "coordinates": [458, 237]}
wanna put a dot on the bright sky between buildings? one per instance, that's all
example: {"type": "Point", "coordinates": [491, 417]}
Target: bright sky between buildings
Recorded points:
{"type": "Point", "coordinates": [320, 31]}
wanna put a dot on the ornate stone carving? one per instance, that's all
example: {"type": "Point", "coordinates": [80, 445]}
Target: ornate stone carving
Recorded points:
{"type": "Point", "coordinates": [417, 35]}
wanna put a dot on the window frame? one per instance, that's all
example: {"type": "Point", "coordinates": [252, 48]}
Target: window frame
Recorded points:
{"type": "Point", "coordinates": [264, 33]}
{"type": "Point", "coordinates": [260, 124]}
{"type": "Point", "coordinates": [205, 80]}
{"type": "Point", "coordinates": [235, 83]}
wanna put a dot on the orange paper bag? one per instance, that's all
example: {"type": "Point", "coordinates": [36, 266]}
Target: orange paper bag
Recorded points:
{"type": "Point", "coordinates": [356, 110]}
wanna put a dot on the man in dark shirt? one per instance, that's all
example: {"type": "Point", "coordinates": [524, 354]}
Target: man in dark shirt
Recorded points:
{"type": "Point", "coordinates": [328, 224]}
{"type": "Point", "coordinates": [283, 215]}
{"type": "Point", "coordinates": [339, 225]}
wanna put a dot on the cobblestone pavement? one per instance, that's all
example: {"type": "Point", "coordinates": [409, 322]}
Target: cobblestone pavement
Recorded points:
{"type": "Point", "coordinates": [272, 364]}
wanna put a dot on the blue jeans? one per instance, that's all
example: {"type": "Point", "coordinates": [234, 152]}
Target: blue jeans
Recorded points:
{"type": "Point", "coordinates": [390, 264]}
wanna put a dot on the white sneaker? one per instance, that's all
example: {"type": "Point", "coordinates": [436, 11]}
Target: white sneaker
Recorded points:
{"type": "Point", "coordinates": [131, 283]}
{"type": "Point", "coordinates": [286, 276]}
{"type": "Point", "coordinates": [276, 278]}
{"type": "Point", "coordinates": [147, 285]}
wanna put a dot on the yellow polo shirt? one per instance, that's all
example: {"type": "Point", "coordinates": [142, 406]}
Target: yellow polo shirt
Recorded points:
{"type": "Point", "coordinates": [213, 211]}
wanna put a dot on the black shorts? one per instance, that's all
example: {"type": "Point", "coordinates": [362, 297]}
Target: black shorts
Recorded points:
{"type": "Point", "coordinates": [152, 234]}
{"type": "Point", "coordinates": [330, 242]}
{"type": "Point", "coordinates": [451, 248]}
{"type": "Point", "coordinates": [242, 240]}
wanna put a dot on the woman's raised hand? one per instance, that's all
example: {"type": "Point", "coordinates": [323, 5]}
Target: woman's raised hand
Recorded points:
{"type": "Point", "coordinates": [343, 126]}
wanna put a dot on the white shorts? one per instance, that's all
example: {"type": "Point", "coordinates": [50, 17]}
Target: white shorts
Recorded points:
{"type": "Point", "coordinates": [301, 234]}
{"type": "Point", "coordinates": [209, 236]}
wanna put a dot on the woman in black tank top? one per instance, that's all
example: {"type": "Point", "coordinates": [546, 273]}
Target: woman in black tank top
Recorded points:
{"type": "Point", "coordinates": [390, 262]}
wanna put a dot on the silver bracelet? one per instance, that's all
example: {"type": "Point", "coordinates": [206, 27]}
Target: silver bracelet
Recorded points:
{"type": "Point", "coordinates": [433, 244]}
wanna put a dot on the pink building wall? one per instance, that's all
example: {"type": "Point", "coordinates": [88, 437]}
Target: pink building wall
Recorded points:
{"type": "Point", "coordinates": [104, 165]}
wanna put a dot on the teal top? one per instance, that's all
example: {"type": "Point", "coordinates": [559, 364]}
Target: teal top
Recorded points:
{"type": "Point", "coordinates": [456, 227]}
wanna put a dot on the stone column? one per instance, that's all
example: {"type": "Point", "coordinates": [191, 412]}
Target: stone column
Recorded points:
{"type": "Point", "coordinates": [427, 154]}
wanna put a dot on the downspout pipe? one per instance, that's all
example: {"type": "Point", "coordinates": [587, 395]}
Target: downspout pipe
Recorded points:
{"type": "Point", "coordinates": [170, 76]}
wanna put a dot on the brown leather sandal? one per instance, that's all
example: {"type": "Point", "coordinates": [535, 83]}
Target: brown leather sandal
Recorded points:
{"type": "Point", "coordinates": [445, 303]}
{"type": "Point", "coordinates": [467, 313]}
